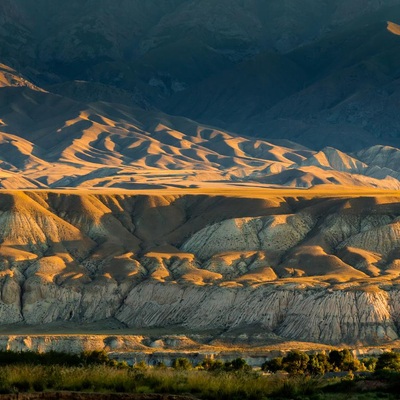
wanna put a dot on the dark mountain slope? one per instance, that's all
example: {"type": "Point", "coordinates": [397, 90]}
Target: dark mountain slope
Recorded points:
{"type": "Point", "coordinates": [347, 86]}
{"type": "Point", "coordinates": [320, 73]}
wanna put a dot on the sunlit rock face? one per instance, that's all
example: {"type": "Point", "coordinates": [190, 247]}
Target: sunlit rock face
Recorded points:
{"type": "Point", "coordinates": [299, 268]}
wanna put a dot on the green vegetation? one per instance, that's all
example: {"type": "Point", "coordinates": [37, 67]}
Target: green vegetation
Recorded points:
{"type": "Point", "coordinates": [390, 361]}
{"type": "Point", "coordinates": [304, 376]}
{"type": "Point", "coordinates": [181, 364]}
{"type": "Point", "coordinates": [238, 364]}
{"type": "Point", "coordinates": [297, 362]}
{"type": "Point", "coordinates": [101, 378]}
{"type": "Point", "coordinates": [86, 358]}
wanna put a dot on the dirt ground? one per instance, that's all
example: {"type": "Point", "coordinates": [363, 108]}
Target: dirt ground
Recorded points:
{"type": "Point", "coordinates": [91, 396]}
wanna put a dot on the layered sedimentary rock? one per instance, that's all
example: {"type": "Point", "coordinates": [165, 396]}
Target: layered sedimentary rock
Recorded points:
{"type": "Point", "coordinates": [307, 268]}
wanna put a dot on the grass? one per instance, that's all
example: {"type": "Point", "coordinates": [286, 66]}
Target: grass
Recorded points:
{"type": "Point", "coordinates": [222, 385]}
{"type": "Point", "coordinates": [105, 379]}
{"type": "Point", "coordinates": [94, 372]}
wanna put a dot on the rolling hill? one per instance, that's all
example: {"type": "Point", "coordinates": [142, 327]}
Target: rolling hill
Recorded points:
{"type": "Point", "coordinates": [47, 140]}
{"type": "Point", "coordinates": [51, 141]}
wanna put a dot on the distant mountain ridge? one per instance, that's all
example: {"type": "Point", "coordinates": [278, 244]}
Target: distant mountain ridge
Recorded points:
{"type": "Point", "coordinates": [320, 73]}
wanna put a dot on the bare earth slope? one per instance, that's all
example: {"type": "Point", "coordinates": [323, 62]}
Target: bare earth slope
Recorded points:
{"type": "Point", "coordinates": [294, 266]}
{"type": "Point", "coordinates": [56, 142]}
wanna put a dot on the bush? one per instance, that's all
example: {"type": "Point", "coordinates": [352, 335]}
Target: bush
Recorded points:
{"type": "Point", "coordinates": [141, 366]}
{"type": "Point", "coordinates": [295, 362]}
{"type": "Point", "coordinates": [161, 365]}
{"type": "Point", "coordinates": [212, 365]}
{"type": "Point", "coordinates": [239, 364]}
{"type": "Point", "coordinates": [389, 360]}
{"type": "Point", "coordinates": [343, 360]}
{"type": "Point", "coordinates": [273, 365]}
{"type": "Point", "coordinates": [369, 363]}
{"type": "Point", "coordinates": [34, 358]}
{"type": "Point", "coordinates": [95, 357]}
{"type": "Point", "coordinates": [181, 363]}
{"type": "Point", "coordinates": [318, 364]}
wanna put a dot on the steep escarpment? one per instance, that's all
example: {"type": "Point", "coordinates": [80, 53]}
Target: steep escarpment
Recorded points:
{"type": "Point", "coordinates": [279, 265]}
{"type": "Point", "coordinates": [314, 315]}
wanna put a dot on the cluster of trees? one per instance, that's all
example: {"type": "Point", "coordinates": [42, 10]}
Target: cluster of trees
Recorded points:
{"type": "Point", "coordinates": [298, 362]}
{"type": "Point", "coordinates": [295, 362]}
{"type": "Point", "coordinates": [388, 361]}
{"type": "Point", "coordinates": [238, 364]}
{"type": "Point", "coordinates": [58, 358]}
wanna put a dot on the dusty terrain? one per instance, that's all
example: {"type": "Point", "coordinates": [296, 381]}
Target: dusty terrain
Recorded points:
{"type": "Point", "coordinates": [256, 268]}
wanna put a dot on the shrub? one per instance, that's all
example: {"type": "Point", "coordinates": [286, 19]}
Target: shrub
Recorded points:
{"type": "Point", "coordinates": [388, 360]}
{"type": "Point", "coordinates": [212, 365]}
{"type": "Point", "coordinates": [95, 357]}
{"type": "Point", "coordinates": [273, 365]}
{"type": "Point", "coordinates": [318, 364]}
{"type": "Point", "coordinates": [369, 363]}
{"type": "Point", "coordinates": [141, 365]}
{"type": "Point", "coordinates": [240, 364]}
{"type": "Point", "coordinates": [181, 363]}
{"type": "Point", "coordinates": [295, 362]}
{"type": "Point", "coordinates": [161, 365]}
{"type": "Point", "coordinates": [343, 360]}
{"type": "Point", "coordinates": [34, 358]}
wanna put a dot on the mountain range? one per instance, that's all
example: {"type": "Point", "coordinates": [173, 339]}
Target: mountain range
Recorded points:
{"type": "Point", "coordinates": [178, 93]}
{"type": "Point", "coordinates": [234, 107]}
{"type": "Point", "coordinates": [52, 141]}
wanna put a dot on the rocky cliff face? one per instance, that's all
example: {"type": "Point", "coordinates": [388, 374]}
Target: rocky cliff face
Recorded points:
{"type": "Point", "coordinates": [297, 268]}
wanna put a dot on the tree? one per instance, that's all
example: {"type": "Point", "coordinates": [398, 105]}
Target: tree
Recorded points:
{"type": "Point", "coordinates": [388, 360]}
{"type": "Point", "coordinates": [141, 365]}
{"type": "Point", "coordinates": [343, 360]}
{"type": "Point", "coordinates": [295, 362]}
{"type": "Point", "coordinates": [370, 363]}
{"type": "Point", "coordinates": [161, 365]}
{"type": "Point", "coordinates": [238, 364]}
{"type": "Point", "coordinates": [273, 365]}
{"type": "Point", "coordinates": [318, 364]}
{"type": "Point", "coordinates": [95, 357]}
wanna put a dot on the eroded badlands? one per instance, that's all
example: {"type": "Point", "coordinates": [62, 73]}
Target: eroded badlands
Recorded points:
{"type": "Point", "coordinates": [283, 266]}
